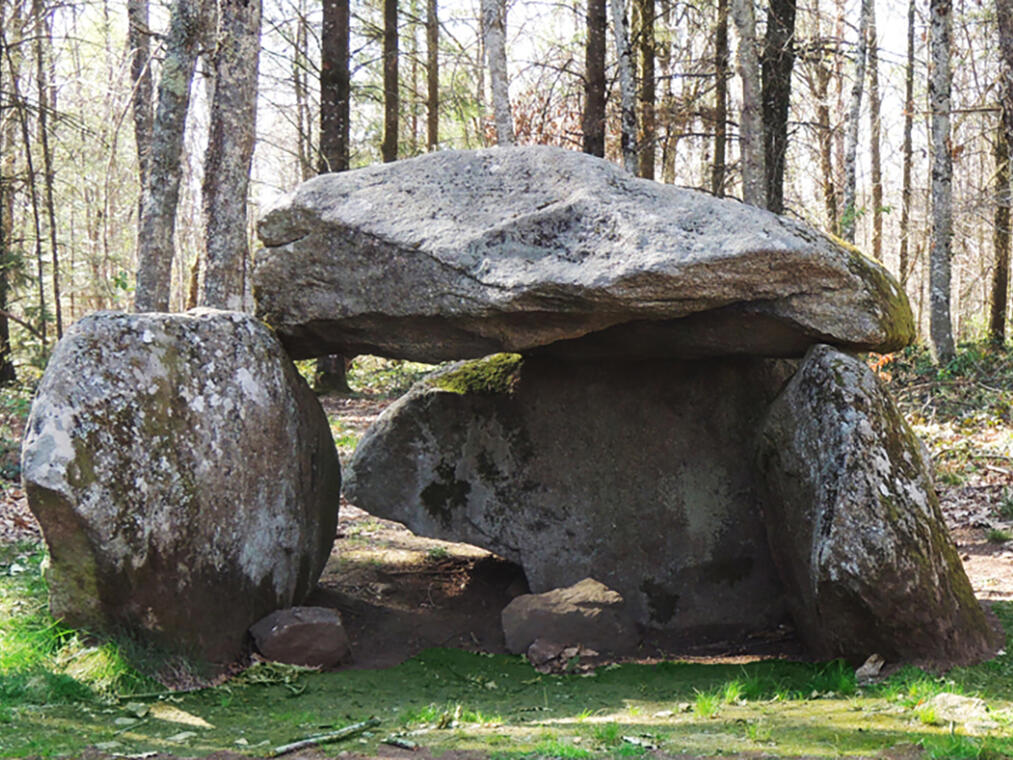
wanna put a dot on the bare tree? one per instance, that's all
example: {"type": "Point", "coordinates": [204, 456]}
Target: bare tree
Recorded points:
{"type": "Point", "coordinates": [494, 33]}
{"type": "Point", "coordinates": [232, 130]}
{"type": "Point", "coordinates": [391, 98]}
{"type": "Point", "coordinates": [161, 190]}
{"type": "Point", "coordinates": [593, 122]}
{"type": "Point", "coordinates": [850, 211]}
{"type": "Point", "coordinates": [628, 108]}
{"type": "Point", "coordinates": [778, 60]}
{"type": "Point", "coordinates": [648, 122]}
{"type": "Point", "coordinates": [142, 100]}
{"type": "Point", "coordinates": [335, 88]}
{"type": "Point", "coordinates": [751, 121]}
{"type": "Point", "coordinates": [875, 136]}
{"type": "Point", "coordinates": [904, 264]}
{"type": "Point", "coordinates": [1003, 141]}
{"type": "Point", "coordinates": [432, 76]}
{"type": "Point", "coordinates": [941, 327]}
{"type": "Point", "coordinates": [720, 99]}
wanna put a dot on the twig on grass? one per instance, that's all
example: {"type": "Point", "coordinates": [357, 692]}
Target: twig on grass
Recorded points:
{"type": "Point", "coordinates": [333, 736]}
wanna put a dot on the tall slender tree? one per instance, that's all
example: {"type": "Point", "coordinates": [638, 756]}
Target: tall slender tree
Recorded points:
{"type": "Point", "coordinates": [849, 213]}
{"type": "Point", "coordinates": [904, 264]}
{"type": "Point", "coordinates": [628, 107]}
{"type": "Point", "coordinates": [940, 324]}
{"type": "Point", "coordinates": [778, 61]}
{"type": "Point", "coordinates": [142, 97]}
{"type": "Point", "coordinates": [720, 99]}
{"type": "Point", "coordinates": [391, 95]}
{"type": "Point", "coordinates": [432, 76]}
{"type": "Point", "coordinates": [875, 136]}
{"type": "Point", "coordinates": [754, 172]}
{"type": "Point", "coordinates": [1003, 143]}
{"type": "Point", "coordinates": [593, 123]}
{"type": "Point", "coordinates": [648, 121]}
{"type": "Point", "coordinates": [335, 87]}
{"type": "Point", "coordinates": [494, 34]}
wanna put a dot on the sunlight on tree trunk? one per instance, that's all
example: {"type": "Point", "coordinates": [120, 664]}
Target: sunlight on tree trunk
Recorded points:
{"type": "Point", "coordinates": [850, 211]}
{"type": "Point", "coordinates": [593, 122]}
{"type": "Point", "coordinates": [941, 327]}
{"type": "Point", "coordinates": [778, 60]}
{"type": "Point", "coordinates": [648, 125]}
{"type": "Point", "coordinates": [720, 99]}
{"type": "Point", "coordinates": [1003, 143]}
{"type": "Point", "coordinates": [875, 137]}
{"type": "Point", "coordinates": [494, 27]}
{"type": "Point", "coordinates": [904, 264]}
{"type": "Point", "coordinates": [432, 76]}
{"type": "Point", "coordinates": [628, 108]}
{"type": "Point", "coordinates": [391, 96]}
{"type": "Point", "coordinates": [751, 121]}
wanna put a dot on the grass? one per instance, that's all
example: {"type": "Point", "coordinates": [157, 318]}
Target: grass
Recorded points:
{"type": "Point", "coordinates": [998, 536]}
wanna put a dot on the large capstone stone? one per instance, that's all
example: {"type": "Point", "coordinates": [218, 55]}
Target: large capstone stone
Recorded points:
{"type": "Point", "coordinates": [460, 254]}
{"type": "Point", "coordinates": [184, 477]}
{"type": "Point", "coordinates": [633, 473]}
{"type": "Point", "coordinates": [855, 527]}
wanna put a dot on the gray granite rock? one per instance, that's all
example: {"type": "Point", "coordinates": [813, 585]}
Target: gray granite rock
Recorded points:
{"type": "Point", "coordinates": [855, 526]}
{"type": "Point", "coordinates": [184, 477]}
{"type": "Point", "coordinates": [460, 254]}
{"type": "Point", "coordinates": [634, 473]}
{"type": "Point", "coordinates": [310, 636]}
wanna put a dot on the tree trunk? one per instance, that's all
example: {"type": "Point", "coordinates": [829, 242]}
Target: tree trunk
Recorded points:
{"type": "Point", "coordinates": [593, 123]}
{"type": "Point", "coordinates": [628, 116]}
{"type": "Point", "coordinates": [941, 329]}
{"type": "Point", "coordinates": [876, 173]}
{"type": "Point", "coordinates": [432, 76]}
{"type": "Point", "coordinates": [648, 122]}
{"type": "Point", "coordinates": [391, 96]}
{"type": "Point", "coordinates": [720, 100]}
{"type": "Point", "coordinates": [1003, 143]}
{"type": "Point", "coordinates": [43, 38]}
{"type": "Point", "coordinates": [494, 29]}
{"type": "Point", "coordinates": [850, 212]}
{"type": "Point", "coordinates": [142, 98]}
{"type": "Point", "coordinates": [231, 134]}
{"type": "Point", "coordinates": [335, 93]}
{"type": "Point", "coordinates": [300, 81]}
{"type": "Point", "coordinates": [161, 191]}
{"type": "Point", "coordinates": [778, 60]}
{"type": "Point", "coordinates": [904, 263]}
{"type": "Point", "coordinates": [751, 121]}
{"type": "Point", "coordinates": [7, 254]}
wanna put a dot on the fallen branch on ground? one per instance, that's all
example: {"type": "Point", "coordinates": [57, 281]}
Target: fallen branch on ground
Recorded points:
{"type": "Point", "coordinates": [333, 736]}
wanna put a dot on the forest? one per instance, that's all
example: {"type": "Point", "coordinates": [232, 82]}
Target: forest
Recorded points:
{"type": "Point", "coordinates": [140, 143]}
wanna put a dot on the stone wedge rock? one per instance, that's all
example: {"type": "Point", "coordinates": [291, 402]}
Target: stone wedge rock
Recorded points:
{"type": "Point", "coordinates": [633, 473]}
{"type": "Point", "coordinates": [855, 527]}
{"type": "Point", "coordinates": [460, 254]}
{"type": "Point", "coordinates": [310, 636]}
{"type": "Point", "coordinates": [184, 477]}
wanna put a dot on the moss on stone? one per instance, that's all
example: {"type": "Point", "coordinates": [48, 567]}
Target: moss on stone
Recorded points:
{"type": "Point", "coordinates": [898, 319]}
{"type": "Point", "coordinates": [498, 373]}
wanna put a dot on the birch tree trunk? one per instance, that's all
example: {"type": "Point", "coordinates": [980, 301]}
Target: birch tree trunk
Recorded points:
{"type": "Point", "coordinates": [142, 98]}
{"type": "Point", "coordinates": [909, 110]}
{"type": "Point", "coordinates": [593, 122]}
{"type": "Point", "coordinates": [876, 173]}
{"type": "Point", "coordinates": [648, 121]}
{"type": "Point", "coordinates": [751, 120]}
{"type": "Point", "coordinates": [391, 95]}
{"type": "Point", "coordinates": [335, 94]}
{"type": "Point", "coordinates": [628, 116]}
{"type": "Point", "coordinates": [432, 76]}
{"type": "Point", "coordinates": [778, 61]}
{"type": "Point", "coordinates": [1003, 142]}
{"type": "Point", "coordinates": [161, 191]}
{"type": "Point", "coordinates": [494, 29]}
{"type": "Point", "coordinates": [850, 211]}
{"type": "Point", "coordinates": [720, 99]}
{"type": "Point", "coordinates": [231, 134]}
{"type": "Point", "coordinates": [941, 328]}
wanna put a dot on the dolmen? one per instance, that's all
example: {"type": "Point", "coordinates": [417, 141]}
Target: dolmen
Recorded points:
{"type": "Point", "coordinates": [660, 392]}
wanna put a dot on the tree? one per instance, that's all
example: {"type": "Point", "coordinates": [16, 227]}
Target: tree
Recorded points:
{"type": "Point", "coordinates": [494, 33]}
{"type": "Point", "coordinates": [142, 100]}
{"type": "Point", "coordinates": [720, 99]}
{"type": "Point", "coordinates": [754, 172]}
{"type": "Point", "coordinates": [161, 188]}
{"type": "Point", "coordinates": [232, 130]}
{"type": "Point", "coordinates": [335, 87]}
{"type": "Point", "coordinates": [778, 60]}
{"type": "Point", "coordinates": [908, 151]}
{"type": "Point", "coordinates": [875, 136]}
{"type": "Point", "coordinates": [1003, 142]}
{"type": "Point", "coordinates": [432, 76]}
{"type": "Point", "coordinates": [648, 125]}
{"type": "Point", "coordinates": [391, 99]}
{"type": "Point", "coordinates": [594, 79]}
{"type": "Point", "coordinates": [941, 327]}
{"type": "Point", "coordinates": [850, 212]}
{"type": "Point", "coordinates": [628, 108]}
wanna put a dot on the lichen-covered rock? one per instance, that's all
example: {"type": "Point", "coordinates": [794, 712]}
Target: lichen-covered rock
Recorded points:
{"type": "Point", "coordinates": [855, 527]}
{"type": "Point", "coordinates": [633, 473]}
{"type": "Point", "coordinates": [184, 477]}
{"type": "Point", "coordinates": [588, 614]}
{"type": "Point", "coordinates": [460, 254]}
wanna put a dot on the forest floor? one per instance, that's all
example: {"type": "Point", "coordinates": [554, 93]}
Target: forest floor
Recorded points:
{"type": "Point", "coordinates": [401, 595]}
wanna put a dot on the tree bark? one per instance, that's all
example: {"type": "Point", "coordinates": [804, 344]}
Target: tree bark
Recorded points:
{"type": "Point", "coordinates": [391, 94]}
{"type": "Point", "coordinates": [494, 30]}
{"type": "Point", "coordinates": [593, 123]}
{"type": "Point", "coordinates": [941, 328]}
{"type": "Point", "coordinates": [161, 191]}
{"type": "Point", "coordinates": [751, 120]}
{"type": "Point", "coordinates": [648, 122]}
{"type": "Point", "coordinates": [876, 170]}
{"type": "Point", "coordinates": [720, 99]}
{"type": "Point", "coordinates": [231, 135]}
{"type": "Point", "coordinates": [335, 92]}
{"type": "Point", "coordinates": [1003, 142]}
{"type": "Point", "coordinates": [904, 263]}
{"type": "Point", "coordinates": [850, 211]}
{"type": "Point", "coordinates": [7, 254]}
{"type": "Point", "coordinates": [778, 60]}
{"type": "Point", "coordinates": [43, 38]}
{"type": "Point", "coordinates": [432, 76]}
{"type": "Point", "coordinates": [628, 115]}
{"type": "Point", "coordinates": [142, 97]}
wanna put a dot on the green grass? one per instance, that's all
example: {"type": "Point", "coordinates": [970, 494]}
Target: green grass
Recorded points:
{"type": "Point", "coordinates": [998, 536]}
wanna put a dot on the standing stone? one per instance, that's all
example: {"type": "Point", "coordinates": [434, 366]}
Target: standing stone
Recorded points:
{"type": "Point", "coordinates": [633, 473]}
{"type": "Point", "coordinates": [855, 527]}
{"type": "Point", "coordinates": [184, 477]}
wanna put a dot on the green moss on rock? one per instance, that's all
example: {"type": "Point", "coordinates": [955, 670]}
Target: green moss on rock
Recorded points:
{"type": "Point", "coordinates": [498, 373]}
